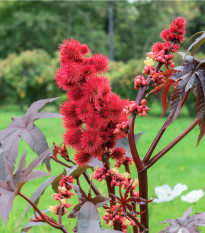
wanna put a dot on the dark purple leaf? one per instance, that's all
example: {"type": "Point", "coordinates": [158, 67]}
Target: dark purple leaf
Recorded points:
{"type": "Point", "coordinates": [98, 201]}
{"type": "Point", "coordinates": [9, 151]}
{"type": "Point", "coordinates": [76, 171]}
{"type": "Point", "coordinates": [89, 220]}
{"type": "Point", "coordinates": [6, 203]}
{"type": "Point", "coordinates": [80, 193]}
{"type": "Point", "coordinates": [75, 211]}
{"type": "Point", "coordinates": [200, 105]}
{"type": "Point", "coordinates": [11, 187]}
{"type": "Point", "coordinates": [29, 225]}
{"type": "Point", "coordinates": [187, 223]}
{"type": "Point", "coordinates": [94, 163]}
{"type": "Point", "coordinates": [190, 75]}
{"type": "Point", "coordinates": [176, 101]}
{"type": "Point", "coordinates": [123, 142]}
{"type": "Point", "coordinates": [24, 127]}
{"type": "Point", "coordinates": [37, 161]}
{"type": "Point", "coordinates": [197, 43]}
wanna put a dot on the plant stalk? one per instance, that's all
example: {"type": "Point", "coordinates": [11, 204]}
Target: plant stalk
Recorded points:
{"type": "Point", "coordinates": [143, 193]}
{"type": "Point", "coordinates": [53, 224]}
{"type": "Point", "coordinates": [140, 226]}
{"type": "Point", "coordinates": [172, 143]}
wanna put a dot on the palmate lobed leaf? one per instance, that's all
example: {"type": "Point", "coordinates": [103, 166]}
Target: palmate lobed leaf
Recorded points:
{"type": "Point", "coordinates": [89, 220]}
{"type": "Point", "coordinates": [98, 201]}
{"type": "Point", "coordinates": [190, 75]}
{"type": "Point", "coordinates": [197, 43]}
{"type": "Point", "coordinates": [24, 127]}
{"type": "Point", "coordinates": [123, 142]}
{"type": "Point", "coordinates": [11, 187]}
{"type": "Point", "coordinates": [76, 171]}
{"type": "Point", "coordinates": [187, 223]}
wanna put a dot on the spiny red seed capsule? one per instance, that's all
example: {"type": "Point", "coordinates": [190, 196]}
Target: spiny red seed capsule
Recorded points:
{"type": "Point", "coordinates": [92, 110]}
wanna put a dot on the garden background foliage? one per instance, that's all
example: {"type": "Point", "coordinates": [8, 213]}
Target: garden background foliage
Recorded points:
{"type": "Point", "coordinates": [31, 32]}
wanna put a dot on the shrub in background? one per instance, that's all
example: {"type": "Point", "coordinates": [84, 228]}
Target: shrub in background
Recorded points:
{"type": "Point", "coordinates": [27, 77]}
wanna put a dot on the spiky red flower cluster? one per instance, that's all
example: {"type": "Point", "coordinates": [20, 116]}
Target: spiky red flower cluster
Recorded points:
{"type": "Point", "coordinates": [118, 153]}
{"type": "Point", "coordinates": [172, 37]}
{"type": "Point", "coordinates": [92, 110]}
{"type": "Point", "coordinates": [141, 109]}
{"type": "Point", "coordinates": [140, 81]}
{"type": "Point", "coordinates": [62, 196]}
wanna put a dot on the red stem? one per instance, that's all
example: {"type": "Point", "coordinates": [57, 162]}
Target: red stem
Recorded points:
{"type": "Point", "coordinates": [111, 190]}
{"type": "Point", "coordinates": [60, 215]}
{"type": "Point", "coordinates": [142, 172]}
{"type": "Point", "coordinates": [137, 160]}
{"type": "Point", "coordinates": [172, 144]}
{"type": "Point", "coordinates": [60, 162]}
{"type": "Point", "coordinates": [154, 144]}
{"type": "Point", "coordinates": [94, 188]}
{"type": "Point", "coordinates": [141, 227]}
{"type": "Point", "coordinates": [143, 193]}
{"type": "Point", "coordinates": [127, 168]}
{"type": "Point", "coordinates": [53, 224]}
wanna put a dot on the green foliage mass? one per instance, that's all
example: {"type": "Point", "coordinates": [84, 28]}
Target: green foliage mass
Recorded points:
{"type": "Point", "coordinates": [32, 31]}
{"type": "Point", "coordinates": [27, 77]}
{"type": "Point", "coordinates": [41, 24]}
{"type": "Point", "coordinates": [27, 25]}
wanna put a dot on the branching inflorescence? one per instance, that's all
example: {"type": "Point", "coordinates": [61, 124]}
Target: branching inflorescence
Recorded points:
{"type": "Point", "coordinates": [99, 125]}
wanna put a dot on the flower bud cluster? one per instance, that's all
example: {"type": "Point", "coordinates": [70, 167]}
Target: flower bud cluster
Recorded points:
{"type": "Point", "coordinates": [121, 161]}
{"type": "Point", "coordinates": [159, 53]}
{"type": "Point", "coordinates": [175, 32]}
{"type": "Point", "coordinates": [120, 179]}
{"type": "Point", "coordinates": [62, 196]}
{"type": "Point", "coordinates": [172, 37]}
{"type": "Point", "coordinates": [110, 218]}
{"type": "Point", "coordinates": [101, 173]}
{"type": "Point", "coordinates": [140, 81]}
{"type": "Point", "coordinates": [141, 109]}
{"type": "Point", "coordinates": [159, 79]}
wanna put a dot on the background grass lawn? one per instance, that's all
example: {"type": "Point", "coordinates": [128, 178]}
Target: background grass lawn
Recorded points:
{"type": "Point", "coordinates": [184, 164]}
